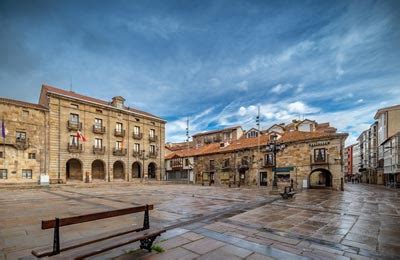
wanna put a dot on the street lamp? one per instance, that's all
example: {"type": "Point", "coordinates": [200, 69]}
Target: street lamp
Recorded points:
{"type": "Point", "coordinates": [274, 147]}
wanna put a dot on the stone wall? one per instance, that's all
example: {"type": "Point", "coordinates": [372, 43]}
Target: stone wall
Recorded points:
{"type": "Point", "coordinates": [32, 121]}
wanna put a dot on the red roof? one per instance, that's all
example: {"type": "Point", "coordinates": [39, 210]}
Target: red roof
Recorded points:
{"type": "Point", "coordinates": [50, 89]}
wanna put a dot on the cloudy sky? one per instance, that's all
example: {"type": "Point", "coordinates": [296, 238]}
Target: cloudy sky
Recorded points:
{"type": "Point", "coordinates": [211, 61]}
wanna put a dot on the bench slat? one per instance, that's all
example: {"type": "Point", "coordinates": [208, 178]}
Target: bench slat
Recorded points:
{"type": "Point", "coordinates": [109, 244]}
{"type": "Point", "coordinates": [48, 250]}
{"type": "Point", "coordinates": [46, 224]}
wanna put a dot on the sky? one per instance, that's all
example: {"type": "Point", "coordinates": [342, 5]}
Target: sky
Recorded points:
{"type": "Point", "coordinates": [213, 62]}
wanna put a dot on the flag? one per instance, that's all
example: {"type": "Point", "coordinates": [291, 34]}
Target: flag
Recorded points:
{"type": "Point", "coordinates": [80, 136]}
{"type": "Point", "coordinates": [4, 131]}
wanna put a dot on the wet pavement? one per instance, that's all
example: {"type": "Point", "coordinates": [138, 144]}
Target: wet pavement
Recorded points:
{"type": "Point", "coordinates": [214, 222]}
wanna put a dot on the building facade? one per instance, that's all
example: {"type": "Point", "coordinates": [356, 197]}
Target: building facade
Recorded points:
{"type": "Point", "coordinates": [87, 139]}
{"type": "Point", "coordinates": [306, 159]}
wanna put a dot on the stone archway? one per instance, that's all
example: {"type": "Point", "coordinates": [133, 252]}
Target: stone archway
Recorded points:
{"type": "Point", "coordinates": [320, 178]}
{"type": "Point", "coordinates": [98, 170]}
{"type": "Point", "coordinates": [136, 170]}
{"type": "Point", "coordinates": [74, 170]}
{"type": "Point", "coordinates": [118, 171]}
{"type": "Point", "coordinates": [152, 170]}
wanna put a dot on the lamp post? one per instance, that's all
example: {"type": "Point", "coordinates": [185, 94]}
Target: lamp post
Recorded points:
{"type": "Point", "coordinates": [274, 147]}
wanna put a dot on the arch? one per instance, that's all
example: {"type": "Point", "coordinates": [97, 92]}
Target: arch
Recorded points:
{"type": "Point", "coordinates": [98, 170]}
{"type": "Point", "coordinates": [320, 178]}
{"type": "Point", "coordinates": [74, 169]}
{"type": "Point", "coordinates": [118, 170]}
{"type": "Point", "coordinates": [152, 170]}
{"type": "Point", "coordinates": [136, 170]}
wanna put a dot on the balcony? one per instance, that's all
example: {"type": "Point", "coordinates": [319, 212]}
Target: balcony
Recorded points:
{"type": "Point", "coordinates": [74, 126]}
{"type": "Point", "coordinates": [119, 133]}
{"type": "Point", "coordinates": [74, 148]}
{"type": "Point", "coordinates": [119, 152]}
{"type": "Point", "coordinates": [152, 155]}
{"type": "Point", "coordinates": [22, 144]}
{"type": "Point", "coordinates": [137, 136]}
{"type": "Point", "coordinates": [136, 153]}
{"type": "Point", "coordinates": [152, 138]}
{"type": "Point", "coordinates": [99, 129]}
{"type": "Point", "coordinates": [99, 150]}
{"type": "Point", "coordinates": [267, 164]}
{"type": "Point", "coordinates": [319, 160]}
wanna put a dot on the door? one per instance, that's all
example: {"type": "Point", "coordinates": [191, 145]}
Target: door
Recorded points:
{"type": "Point", "coordinates": [263, 179]}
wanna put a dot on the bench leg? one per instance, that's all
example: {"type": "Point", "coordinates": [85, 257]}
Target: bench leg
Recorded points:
{"type": "Point", "coordinates": [147, 243]}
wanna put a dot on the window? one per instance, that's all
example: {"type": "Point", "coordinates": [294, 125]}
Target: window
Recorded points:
{"type": "Point", "coordinates": [31, 155]}
{"type": "Point", "coordinates": [136, 130]}
{"type": "Point", "coordinates": [152, 149]}
{"type": "Point", "coordinates": [98, 122]}
{"type": "Point", "coordinates": [269, 159]}
{"type": "Point", "coordinates": [118, 145]}
{"type": "Point", "coordinates": [3, 173]}
{"type": "Point", "coordinates": [186, 162]}
{"type": "Point", "coordinates": [27, 174]}
{"type": "Point", "coordinates": [1, 155]}
{"type": "Point", "coordinates": [98, 143]}
{"type": "Point", "coordinates": [20, 136]}
{"type": "Point", "coordinates": [99, 111]}
{"type": "Point", "coordinates": [212, 164]}
{"type": "Point", "coordinates": [152, 133]}
{"type": "Point", "coordinates": [25, 114]}
{"type": "Point", "coordinates": [75, 105]}
{"type": "Point", "coordinates": [118, 127]}
{"type": "Point", "coordinates": [137, 119]}
{"type": "Point", "coordinates": [153, 123]}
{"type": "Point", "coordinates": [73, 139]}
{"type": "Point", "coordinates": [136, 147]}
{"type": "Point", "coordinates": [227, 136]}
{"type": "Point", "coordinates": [319, 155]}
{"type": "Point", "coordinates": [225, 163]}
{"type": "Point", "coordinates": [74, 118]}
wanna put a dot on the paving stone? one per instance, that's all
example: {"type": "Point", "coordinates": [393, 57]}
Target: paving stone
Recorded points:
{"type": "Point", "coordinates": [256, 256]}
{"type": "Point", "coordinates": [203, 245]}
{"type": "Point", "coordinates": [174, 242]}
{"type": "Point", "coordinates": [192, 236]}
{"type": "Point", "coordinates": [173, 254]}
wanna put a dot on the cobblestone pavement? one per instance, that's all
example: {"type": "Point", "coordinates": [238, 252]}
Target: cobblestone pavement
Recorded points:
{"type": "Point", "coordinates": [213, 222]}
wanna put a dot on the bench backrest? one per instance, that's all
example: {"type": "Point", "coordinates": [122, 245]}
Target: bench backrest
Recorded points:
{"type": "Point", "coordinates": [46, 224]}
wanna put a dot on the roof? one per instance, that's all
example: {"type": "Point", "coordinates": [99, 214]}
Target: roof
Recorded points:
{"type": "Point", "coordinates": [53, 90]}
{"type": "Point", "coordinates": [246, 143]}
{"type": "Point", "coordinates": [22, 103]}
{"type": "Point", "coordinates": [297, 136]}
{"type": "Point", "coordinates": [380, 111]}
{"type": "Point", "coordinates": [217, 131]}
{"type": "Point", "coordinates": [281, 126]}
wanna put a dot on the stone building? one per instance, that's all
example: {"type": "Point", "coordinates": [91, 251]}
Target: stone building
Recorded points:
{"type": "Point", "coordinates": [23, 151]}
{"type": "Point", "coordinates": [122, 143]}
{"type": "Point", "coordinates": [222, 135]}
{"type": "Point", "coordinates": [309, 159]}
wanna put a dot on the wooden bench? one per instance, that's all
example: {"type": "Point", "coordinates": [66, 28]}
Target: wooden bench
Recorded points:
{"type": "Point", "coordinates": [82, 248]}
{"type": "Point", "coordinates": [288, 193]}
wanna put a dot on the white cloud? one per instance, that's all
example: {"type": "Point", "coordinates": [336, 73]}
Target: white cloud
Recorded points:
{"type": "Point", "coordinates": [243, 85]}
{"type": "Point", "coordinates": [301, 108]}
{"type": "Point", "coordinates": [280, 88]}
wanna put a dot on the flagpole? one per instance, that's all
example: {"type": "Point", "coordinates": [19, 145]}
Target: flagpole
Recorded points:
{"type": "Point", "coordinates": [3, 133]}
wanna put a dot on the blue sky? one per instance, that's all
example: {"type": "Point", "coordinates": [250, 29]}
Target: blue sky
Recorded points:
{"type": "Point", "coordinates": [211, 61]}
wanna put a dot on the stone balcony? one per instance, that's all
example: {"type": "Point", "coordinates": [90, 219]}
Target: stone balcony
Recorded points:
{"type": "Point", "coordinates": [119, 152]}
{"type": "Point", "coordinates": [322, 160]}
{"type": "Point", "coordinates": [136, 153]}
{"type": "Point", "coordinates": [137, 136]}
{"type": "Point", "coordinates": [119, 133]}
{"type": "Point", "coordinates": [74, 126]}
{"type": "Point", "coordinates": [74, 148]}
{"type": "Point", "coordinates": [99, 129]}
{"type": "Point", "coordinates": [99, 150]}
{"type": "Point", "coordinates": [152, 138]}
{"type": "Point", "coordinates": [152, 155]}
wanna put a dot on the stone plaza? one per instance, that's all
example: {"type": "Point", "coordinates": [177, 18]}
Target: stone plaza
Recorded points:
{"type": "Point", "coordinates": [212, 222]}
